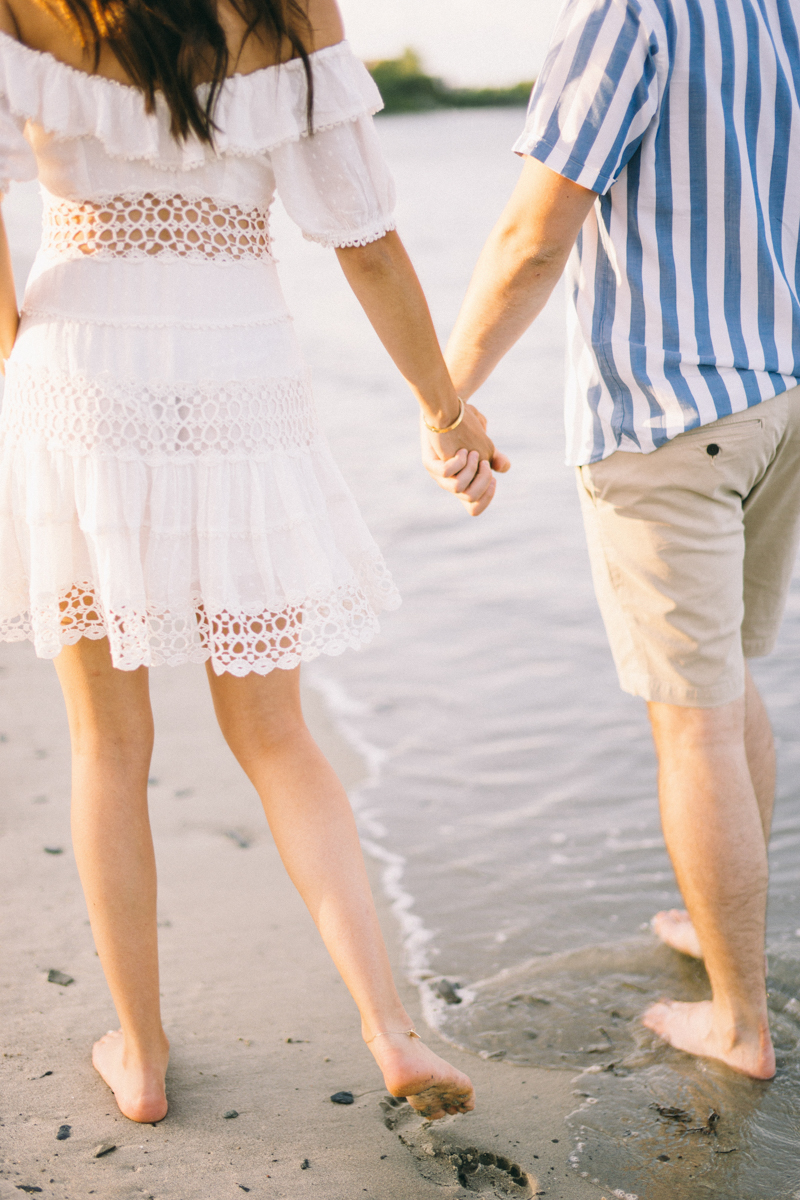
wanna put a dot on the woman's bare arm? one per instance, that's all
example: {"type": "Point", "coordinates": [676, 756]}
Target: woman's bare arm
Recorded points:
{"type": "Point", "coordinates": [386, 286]}
{"type": "Point", "coordinates": [9, 316]}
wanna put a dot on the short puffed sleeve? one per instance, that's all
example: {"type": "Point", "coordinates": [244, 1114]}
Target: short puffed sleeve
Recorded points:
{"type": "Point", "coordinates": [335, 183]}
{"type": "Point", "coordinates": [17, 160]}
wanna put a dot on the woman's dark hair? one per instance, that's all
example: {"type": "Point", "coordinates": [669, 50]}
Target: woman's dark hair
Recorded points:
{"type": "Point", "coordinates": [165, 44]}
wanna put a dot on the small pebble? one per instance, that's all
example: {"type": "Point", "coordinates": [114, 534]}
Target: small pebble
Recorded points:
{"type": "Point", "coordinates": [64, 1131]}
{"type": "Point", "coordinates": [447, 991]}
{"type": "Point", "coordinates": [342, 1097]}
{"type": "Point", "coordinates": [230, 1114]}
{"type": "Point", "coordinates": [54, 849]}
{"type": "Point", "coordinates": [305, 1164]}
{"type": "Point", "coordinates": [663, 1158]}
{"type": "Point", "coordinates": [59, 977]}
{"type": "Point", "coordinates": [44, 1074]}
{"type": "Point", "coordinates": [241, 839]}
{"type": "Point", "coordinates": [103, 1148]}
{"type": "Point", "coordinates": [27, 1187]}
{"type": "Point", "coordinates": [244, 1189]}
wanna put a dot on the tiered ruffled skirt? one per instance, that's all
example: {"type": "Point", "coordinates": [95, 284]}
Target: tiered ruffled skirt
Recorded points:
{"type": "Point", "coordinates": [163, 479]}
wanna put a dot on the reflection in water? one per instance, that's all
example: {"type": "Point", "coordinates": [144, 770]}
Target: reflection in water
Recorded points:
{"type": "Point", "coordinates": [651, 1122]}
{"type": "Point", "coordinates": [681, 1127]}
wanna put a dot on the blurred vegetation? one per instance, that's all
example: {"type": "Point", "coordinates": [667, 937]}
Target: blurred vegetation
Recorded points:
{"type": "Point", "coordinates": [406, 88]}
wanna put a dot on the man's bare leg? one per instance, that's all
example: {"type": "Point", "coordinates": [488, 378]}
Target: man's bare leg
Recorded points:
{"type": "Point", "coordinates": [674, 926]}
{"type": "Point", "coordinates": [715, 836]}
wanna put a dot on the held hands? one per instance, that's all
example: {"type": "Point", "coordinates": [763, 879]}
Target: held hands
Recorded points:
{"type": "Point", "coordinates": [463, 460]}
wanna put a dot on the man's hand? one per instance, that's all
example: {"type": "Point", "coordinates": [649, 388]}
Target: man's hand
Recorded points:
{"type": "Point", "coordinates": [462, 469]}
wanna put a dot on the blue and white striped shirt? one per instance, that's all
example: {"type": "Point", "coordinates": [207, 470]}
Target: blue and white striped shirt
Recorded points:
{"type": "Point", "coordinates": [685, 116]}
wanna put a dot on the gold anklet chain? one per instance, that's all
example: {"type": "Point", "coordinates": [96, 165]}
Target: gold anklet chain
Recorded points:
{"type": "Point", "coordinates": [411, 1033]}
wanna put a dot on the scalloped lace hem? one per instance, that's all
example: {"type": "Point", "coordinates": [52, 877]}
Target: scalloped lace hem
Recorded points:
{"type": "Point", "coordinates": [238, 641]}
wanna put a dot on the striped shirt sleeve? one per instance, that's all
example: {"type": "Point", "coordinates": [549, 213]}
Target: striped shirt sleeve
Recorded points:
{"type": "Point", "coordinates": [597, 93]}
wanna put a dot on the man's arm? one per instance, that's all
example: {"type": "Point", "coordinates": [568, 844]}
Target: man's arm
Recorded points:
{"type": "Point", "coordinates": [518, 268]}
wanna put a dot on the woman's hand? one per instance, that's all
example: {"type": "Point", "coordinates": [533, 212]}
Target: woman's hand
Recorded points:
{"type": "Point", "coordinates": [463, 460]}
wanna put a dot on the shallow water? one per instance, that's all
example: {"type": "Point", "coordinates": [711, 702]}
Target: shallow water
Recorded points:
{"type": "Point", "coordinates": [512, 793]}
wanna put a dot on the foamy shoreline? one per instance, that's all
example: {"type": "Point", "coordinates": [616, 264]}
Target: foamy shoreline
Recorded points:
{"type": "Point", "coordinates": [243, 971]}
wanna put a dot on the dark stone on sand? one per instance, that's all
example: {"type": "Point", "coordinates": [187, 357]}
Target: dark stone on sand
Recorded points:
{"type": "Point", "coordinates": [447, 991]}
{"type": "Point", "coordinates": [230, 1114]}
{"type": "Point", "coordinates": [241, 839]}
{"type": "Point", "coordinates": [54, 976]}
{"type": "Point", "coordinates": [244, 1189]}
{"type": "Point", "coordinates": [663, 1158]}
{"type": "Point", "coordinates": [342, 1098]}
{"type": "Point", "coordinates": [27, 1187]}
{"type": "Point", "coordinates": [64, 1131]}
{"type": "Point", "coordinates": [103, 1149]}
{"type": "Point", "coordinates": [45, 1074]}
{"type": "Point", "coordinates": [305, 1164]}
{"type": "Point", "coordinates": [54, 849]}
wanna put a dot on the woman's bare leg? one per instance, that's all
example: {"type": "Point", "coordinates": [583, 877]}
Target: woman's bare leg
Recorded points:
{"type": "Point", "coordinates": [111, 728]}
{"type": "Point", "coordinates": [313, 826]}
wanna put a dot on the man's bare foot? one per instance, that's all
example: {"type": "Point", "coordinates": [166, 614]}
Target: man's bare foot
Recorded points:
{"type": "Point", "coordinates": [695, 1029]}
{"type": "Point", "coordinates": [430, 1084]}
{"type": "Point", "coordinates": [138, 1086]}
{"type": "Point", "coordinates": [675, 929]}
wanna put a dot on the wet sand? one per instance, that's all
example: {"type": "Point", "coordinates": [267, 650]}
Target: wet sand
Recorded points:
{"type": "Point", "coordinates": [260, 1023]}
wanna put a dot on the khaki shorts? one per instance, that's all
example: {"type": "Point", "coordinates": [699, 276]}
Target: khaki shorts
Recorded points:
{"type": "Point", "coordinates": [692, 549]}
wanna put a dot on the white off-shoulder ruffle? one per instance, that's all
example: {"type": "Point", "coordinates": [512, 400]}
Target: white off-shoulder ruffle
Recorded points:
{"type": "Point", "coordinates": [255, 113]}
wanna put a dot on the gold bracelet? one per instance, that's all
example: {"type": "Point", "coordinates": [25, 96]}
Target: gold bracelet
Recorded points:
{"type": "Point", "coordinates": [456, 423]}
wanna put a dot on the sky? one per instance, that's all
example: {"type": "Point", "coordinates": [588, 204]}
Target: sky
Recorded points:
{"type": "Point", "coordinates": [467, 42]}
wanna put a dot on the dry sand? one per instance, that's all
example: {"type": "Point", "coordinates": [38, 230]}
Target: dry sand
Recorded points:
{"type": "Point", "coordinates": [260, 1022]}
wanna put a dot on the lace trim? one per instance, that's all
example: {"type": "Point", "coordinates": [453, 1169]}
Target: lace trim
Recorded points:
{"type": "Point", "coordinates": [361, 237]}
{"type": "Point", "coordinates": [173, 226]}
{"type": "Point", "coordinates": [31, 309]}
{"type": "Point", "coordinates": [237, 642]}
{"type": "Point", "coordinates": [156, 423]}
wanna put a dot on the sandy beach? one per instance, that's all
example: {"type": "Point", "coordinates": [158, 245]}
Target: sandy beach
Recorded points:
{"type": "Point", "coordinates": [260, 1023]}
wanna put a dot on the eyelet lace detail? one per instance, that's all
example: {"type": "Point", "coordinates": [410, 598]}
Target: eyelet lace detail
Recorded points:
{"type": "Point", "coordinates": [237, 642]}
{"type": "Point", "coordinates": [143, 226]}
{"type": "Point", "coordinates": [230, 421]}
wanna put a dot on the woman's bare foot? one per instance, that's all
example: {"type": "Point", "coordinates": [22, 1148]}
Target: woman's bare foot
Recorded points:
{"type": "Point", "coordinates": [138, 1086]}
{"type": "Point", "coordinates": [675, 929]}
{"type": "Point", "coordinates": [430, 1084]}
{"type": "Point", "coordinates": [695, 1029]}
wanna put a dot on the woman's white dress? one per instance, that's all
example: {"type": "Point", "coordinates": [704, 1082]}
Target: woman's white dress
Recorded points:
{"type": "Point", "coordinates": [163, 478]}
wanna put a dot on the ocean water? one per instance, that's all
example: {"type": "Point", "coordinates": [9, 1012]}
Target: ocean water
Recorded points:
{"type": "Point", "coordinates": [511, 794]}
